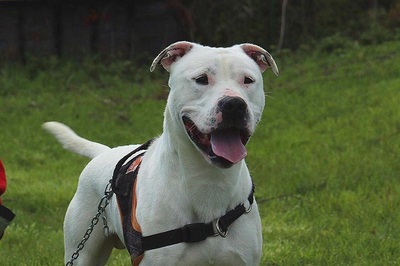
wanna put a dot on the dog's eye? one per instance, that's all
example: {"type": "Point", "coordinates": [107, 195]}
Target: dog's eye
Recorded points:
{"type": "Point", "coordinates": [202, 80]}
{"type": "Point", "coordinates": [248, 80]}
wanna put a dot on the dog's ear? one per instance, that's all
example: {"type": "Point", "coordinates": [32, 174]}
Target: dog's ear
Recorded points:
{"type": "Point", "coordinates": [263, 59]}
{"type": "Point", "coordinates": [171, 54]}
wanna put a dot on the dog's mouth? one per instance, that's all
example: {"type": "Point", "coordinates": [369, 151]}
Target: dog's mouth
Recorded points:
{"type": "Point", "coordinates": [224, 146]}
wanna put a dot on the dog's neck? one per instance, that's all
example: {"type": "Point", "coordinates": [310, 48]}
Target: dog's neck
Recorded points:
{"type": "Point", "coordinates": [211, 190]}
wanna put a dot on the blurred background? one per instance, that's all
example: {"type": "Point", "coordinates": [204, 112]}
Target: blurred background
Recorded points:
{"type": "Point", "coordinates": [130, 29]}
{"type": "Point", "coordinates": [324, 158]}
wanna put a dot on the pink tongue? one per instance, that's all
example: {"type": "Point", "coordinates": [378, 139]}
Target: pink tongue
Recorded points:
{"type": "Point", "coordinates": [228, 145]}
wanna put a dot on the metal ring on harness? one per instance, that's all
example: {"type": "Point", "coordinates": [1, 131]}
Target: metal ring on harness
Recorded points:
{"type": "Point", "coordinates": [219, 230]}
{"type": "Point", "coordinates": [249, 208]}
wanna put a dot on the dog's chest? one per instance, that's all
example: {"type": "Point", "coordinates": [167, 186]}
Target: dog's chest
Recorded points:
{"type": "Point", "coordinates": [240, 247]}
{"type": "Point", "coordinates": [235, 249]}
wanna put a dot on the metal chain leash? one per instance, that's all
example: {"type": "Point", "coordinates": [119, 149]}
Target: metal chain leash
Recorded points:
{"type": "Point", "coordinates": [105, 200]}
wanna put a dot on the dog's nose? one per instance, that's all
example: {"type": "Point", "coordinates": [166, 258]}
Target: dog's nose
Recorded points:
{"type": "Point", "coordinates": [234, 112]}
{"type": "Point", "coordinates": [233, 106]}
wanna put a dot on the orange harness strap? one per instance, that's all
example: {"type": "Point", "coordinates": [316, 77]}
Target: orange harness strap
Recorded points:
{"type": "Point", "coordinates": [124, 186]}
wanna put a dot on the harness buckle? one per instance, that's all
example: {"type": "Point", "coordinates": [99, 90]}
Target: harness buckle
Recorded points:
{"type": "Point", "coordinates": [195, 232]}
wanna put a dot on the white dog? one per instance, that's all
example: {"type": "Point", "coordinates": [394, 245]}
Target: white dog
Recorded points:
{"type": "Point", "coordinates": [193, 178]}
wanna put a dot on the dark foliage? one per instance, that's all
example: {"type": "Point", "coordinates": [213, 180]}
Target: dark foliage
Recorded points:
{"type": "Point", "coordinates": [227, 22]}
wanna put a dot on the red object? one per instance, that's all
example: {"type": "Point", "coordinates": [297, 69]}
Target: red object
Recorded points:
{"type": "Point", "coordinates": [3, 182]}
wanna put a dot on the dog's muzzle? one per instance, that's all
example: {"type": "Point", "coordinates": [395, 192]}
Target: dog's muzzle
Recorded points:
{"type": "Point", "coordinates": [224, 145]}
{"type": "Point", "coordinates": [234, 112]}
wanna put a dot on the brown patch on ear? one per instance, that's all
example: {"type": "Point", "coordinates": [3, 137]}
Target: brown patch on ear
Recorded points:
{"type": "Point", "coordinates": [263, 59]}
{"type": "Point", "coordinates": [171, 54]}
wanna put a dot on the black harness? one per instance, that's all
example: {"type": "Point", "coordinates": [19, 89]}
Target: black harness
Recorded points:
{"type": "Point", "coordinates": [196, 232]}
{"type": "Point", "coordinates": [123, 181]}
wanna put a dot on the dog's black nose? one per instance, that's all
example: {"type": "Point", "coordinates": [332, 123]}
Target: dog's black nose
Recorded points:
{"type": "Point", "coordinates": [234, 112]}
{"type": "Point", "coordinates": [232, 106]}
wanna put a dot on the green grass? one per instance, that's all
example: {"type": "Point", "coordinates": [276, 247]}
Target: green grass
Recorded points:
{"type": "Point", "coordinates": [325, 158]}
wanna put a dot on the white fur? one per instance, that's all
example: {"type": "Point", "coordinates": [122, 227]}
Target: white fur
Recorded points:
{"type": "Point", "coordinates": [176, 185]}
{"type": "Point", "coordinates": [73, 142]}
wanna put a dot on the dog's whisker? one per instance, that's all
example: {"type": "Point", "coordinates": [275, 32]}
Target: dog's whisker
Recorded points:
{"type": "Point", "coordinates": [267, 94]}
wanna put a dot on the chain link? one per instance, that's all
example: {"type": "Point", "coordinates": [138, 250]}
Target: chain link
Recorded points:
{"type": "Point", "coordinates": [105, 200]}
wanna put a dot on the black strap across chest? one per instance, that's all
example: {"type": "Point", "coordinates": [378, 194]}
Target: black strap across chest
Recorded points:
{"type": "Point", "coordinates": [195, 232]}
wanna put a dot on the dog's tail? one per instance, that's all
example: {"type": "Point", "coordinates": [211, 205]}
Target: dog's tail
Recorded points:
{"type": "Point", "coordinates": [72, 142]}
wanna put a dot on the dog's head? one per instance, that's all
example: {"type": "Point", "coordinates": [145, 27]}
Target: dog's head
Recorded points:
{"type": "Point", "coordinates": [217, 96]}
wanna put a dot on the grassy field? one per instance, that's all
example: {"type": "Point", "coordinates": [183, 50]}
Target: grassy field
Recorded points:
{"type": "Point", "coordinates": [325, 158]}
